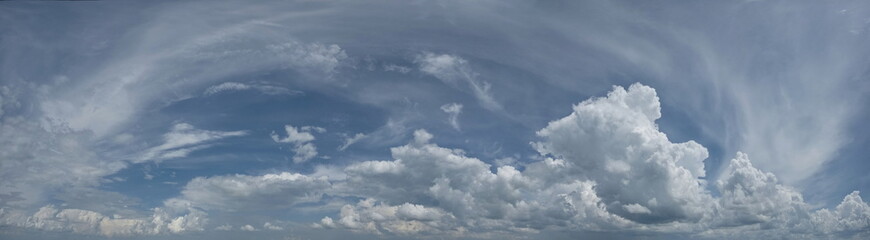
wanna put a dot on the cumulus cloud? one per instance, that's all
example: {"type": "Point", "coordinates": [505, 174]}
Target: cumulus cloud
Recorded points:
{"type": "Point", "coordinates": [461, 194]}
{"type": "Point", "coordinates": [606, 167]}
{"type": "Point", "coordinates": [615, 142]}
{"type": "Point", "coordinates": [462, 185]}
{"type": "Point", "coordinates": [248, 228]}
{"type": "Point", "coordinates": [184, 139]}
{"type": "Point", "coordinates": [321, 57]}
{"type": "Point", "coordinates": [225, 227]}
{"type": "Point", "coordinates": [375, 217]}
{"type": "Point", "coordinates": [89, 222]}
{"type": "Point", "coordinates": [301, 139]}
{"type": "Point", "coordinates": [750, 196]}
{"type": "Point", "coordinates": [454, 70]}
{"type": "Point", "coordinates": [852, 214]}
{"type": "Point", "coordinates": [273, 227]}
{"type": "Point", "coordinates": [244, 192]}
{"type": "Point", "coordinates": [453, 110]}
{"type": "Point", "coordinates": [754, 201]}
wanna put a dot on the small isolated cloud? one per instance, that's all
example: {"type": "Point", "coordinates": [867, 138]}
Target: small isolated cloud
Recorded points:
{"type": "Point", "coordinates": [235, 86]}
{"type": "Point", "coordinates": [225, 227]}
{"type": "Point", "coordinates": [454, 70]}
{"type": "Point", "coordinates": [453, 110]}
{"type": "Point", "coordinates": [248, 228]}
{"type": "Point", "coordinates": [183, 139]}
{"type": "Point", "coordinates": [270, 226]}
{"type": "Point", "coordinates": [396, 68]}
{"type": "Point", "coordinates": [350, 140]}
{"type": "Point", "coordinates": [227, 86]}
{"type": "Point", "coordinates": [301, 139]}
{"type": "Point", "coordinates": [313, 129]}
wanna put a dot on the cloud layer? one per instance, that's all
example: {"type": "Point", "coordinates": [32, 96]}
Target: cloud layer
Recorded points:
{"type": "Point", "coordinates": [604, 167]}
{"type": "Point", "coordinates": [762, 105]}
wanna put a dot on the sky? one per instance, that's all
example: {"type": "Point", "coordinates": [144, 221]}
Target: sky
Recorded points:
{"type": "Point", "coordinates": [434, 120]}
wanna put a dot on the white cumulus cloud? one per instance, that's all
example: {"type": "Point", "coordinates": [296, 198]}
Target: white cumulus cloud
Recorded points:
{"type": "Point", "coordinates": [301, 139]}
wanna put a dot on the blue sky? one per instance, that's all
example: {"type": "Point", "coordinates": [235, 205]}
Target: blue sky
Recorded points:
{"type": "Point", "coordinates": [434, 119]}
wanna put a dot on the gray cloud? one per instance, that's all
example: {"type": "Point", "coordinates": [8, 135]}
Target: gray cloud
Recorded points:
{"type": "Point", "coordinates": [454, 70]}
{"type": "Point", "coordinates": [89, 222]}
{"type": "Point", "coordinates": [453, 110]}
{"type": "Point", "coordinates": [350, 140]}
{"type": "Point", "coordinates": [242, 192]}
{"type": "Point", "coordinates": [236, 86]}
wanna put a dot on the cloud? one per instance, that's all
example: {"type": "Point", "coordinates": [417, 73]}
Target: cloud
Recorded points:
{"type": "Point", "coordinates": [8, 99]}
{"type": "Point", "coordinates": [89, 222]}
{"type": "Point", "coordinates": [182, 140]}
{"type": "Point", "coordinates": [301, 139]}
{"type": "Point", "coordinates": [270, 226]}
{"type": "Point", "coordinates": [235, 86]}
{"type": "Point", "coordinates": [424, 172]}
{"type": "Point", "coordinates": [244, 192]}
{"type": "Point", "coordinates": [755, 205]}
{"type": "Point", "coordinates": [168, 66]}
{"type": "Point", "coordinates": [454, 70]}
{"type": "Point", "coordinates": [227, 86]}
{"type": "Point", "coordinates": [750, 196]}
{"type": "Point", "coordinates": [852, 214]}
{"type": "Point", "coordinates": [325, 58]}
{"type": "Point", "coordinates": [603, 167]}
{"type": "Point", "coordinates": [453, 110]}
{"type": "Point", "coordinates": [783, 84]}
{"type": "Point", "coordinates": [459, 194]}
{"type": "Point", "coordinates": [350, 140]}
{"type": "Point", "coordinates": [606, 167]}
{"type": "Point", "coordinates": [396, 68]}
{"type": "Point", "coordinates": [41, 158]}
{"type": "Point", "coordinates": [293, 136]}
{"type": "Point", "coordinates": [373, 217]}
{"type": "Point", "coordinates": [615, 142]}
{"type": "Point", "coordinates": [248, 228]}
